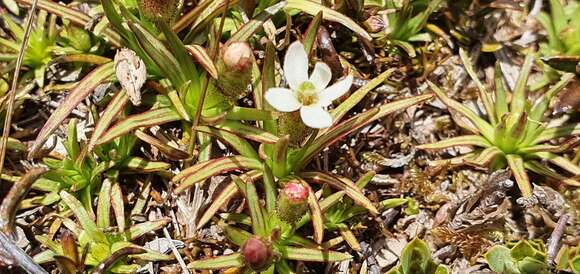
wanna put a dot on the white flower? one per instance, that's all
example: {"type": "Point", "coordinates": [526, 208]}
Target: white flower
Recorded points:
{"type": "Point", "coordinates": [310, 95]}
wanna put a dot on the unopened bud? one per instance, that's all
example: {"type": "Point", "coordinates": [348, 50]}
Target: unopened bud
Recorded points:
{"type": "Point", "coordinates": [160, 10]}
{"type": "Point", "coordinates": [258, 254]}
{"type": "Point", "coordinates": [235, 70]}
{"type": "Point", "coordinates": [374, 24]}
{"type": "Point", "coordinates": [293, 202]}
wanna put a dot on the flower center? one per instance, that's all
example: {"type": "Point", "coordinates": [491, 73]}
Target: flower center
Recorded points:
{"type": "Point", "coordinates": [307, 94]}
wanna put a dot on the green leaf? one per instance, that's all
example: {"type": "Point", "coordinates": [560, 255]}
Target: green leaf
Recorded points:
{"type": "Point", "coordinates": [342, 184]}
{"type": "Point", "coordinates": [314, 8]}
{"type": "Point", "coordinates": [483, 126]}
{"type": "Point", "coordinates": [415, 257]}
{"type": "Point", "coordinates": [516, 164]}
{"type": "Point", "coordinates": [559, 161]}
{"type": "Point", "coordinates": [144, 166]}
{"type": "Point", "coordinates": [242, 146]}
{"type": "Point", "coordinates": [518, 103]}
{"type": "Point", "coordinates": [310, 34]}
{"type": "Point", "coordinates": [316, 215]}
{"type": "Point", "coordinates": [269, 188]}
{"type": "Point", "coordinates": [112, 111]}
{"type": "Point", "coordinates": [279, 157]}
{"type": "Point", "coordinates": [545, 171]}
{"type": "Point", "coordinates": [249, 28]}
{"type": "Point", "coordinates": [221, 262]}
{"type": "Point", "coordinates": [557, 132]}
{"type": "Point", "coordinates": [253, 202]}
{"type": "Point", "coordinates": [146, 119]}
{"type": "Point", "coordinates": [200, 54]}
{"type": "Point", "coordinates": [466, 140]}
{"type": "Point", "coordinates": [501, 106]}
{"type": "Point", "coordinates": [205, 170]}
{"type": "Point", "coordinates": [484, 94]}
{"type": "Point", "coordinates": [118, 206]}
{"type": "Point", "coordinates": [83, 217]}
{"type": "Point", "coordinates": [250, 114]}
{"type": "Point", "coordinates": [312, 255]}
{"type": "Point", "coordinates": [499, 259]}
{"type": "Point", "coordinates": [99, 75]}
{"type": "Point", "coordinates": [104, 205]}
{"type": "Point", "coordinates": [138, 230]}
{"type": "Point", "coordinates": [249, 132]}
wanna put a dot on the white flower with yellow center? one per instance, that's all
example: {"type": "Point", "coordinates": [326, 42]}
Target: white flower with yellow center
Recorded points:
{"type": "Point", "coordinates": [309, 95]}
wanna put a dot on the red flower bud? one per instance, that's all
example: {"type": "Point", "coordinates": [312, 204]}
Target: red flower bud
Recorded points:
{"type": "Point", "coordinates": [257, 253]}
{"type": "Point", "coordinates": [293, 202]}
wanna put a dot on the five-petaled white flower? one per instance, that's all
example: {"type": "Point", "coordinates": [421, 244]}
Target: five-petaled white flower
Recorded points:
{"type": "Point", "coordinates": [310, 95]}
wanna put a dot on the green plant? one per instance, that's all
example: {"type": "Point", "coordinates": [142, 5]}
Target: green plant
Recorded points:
{"type": "Point", "coordinates": [562, 51]}
{"type": "Point", "coordinates": [515, 133]}
{"type": "Point", "coordinates": [569, 258]}
{"type": "Point", "coordinates": [273, 240]}
{"type": "Point", "coordinates": [523, 257]}
{"type": "Point", "coordinates": [99, 246]}
{"type": "Point", "coordinates": [401, 23]}
{"type": "Point", "coordinates": [82, 175]}
{"type": "Point", "coordinates": [416, 259]}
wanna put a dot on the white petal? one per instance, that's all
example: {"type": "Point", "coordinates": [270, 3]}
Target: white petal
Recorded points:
{"type": "Point", "coordinates": [315, 116]}
{"type": "Point", "coordinates": [296, 65]}
{"type": "Point", "coordinates": [321, 76]}
{"type": "Point", "coordinates": [282, 99]}
{"type": "Point", "coordinates": [335, 91]}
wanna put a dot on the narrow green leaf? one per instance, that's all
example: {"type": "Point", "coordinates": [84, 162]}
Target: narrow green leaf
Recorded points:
{"type": "Point", "coordinates": [236, 236]}
{"type": "Point", "coordinates": [253, 202]}
{"type": "Point", "coordinates": [204, 170]}
{"type": "Point", "coordinates": [484, 157]}
{"type": "Point", "coordinates": [557, 132]}
{"type": "Point", "coordinates": [146, 119]}
{"type": "Point", "coordinates": [483, 126]}
{"type": "Point", "coordinates": [83, 217]}
{"type": "Point", "coordinates": [249, 28]}
{"type": "Point", "coordinates": [516, 164]}
{"type": "Point", "coordinates": [559, 161]}
{"type": "Point", "coordinates": [221, 262]}
{"type": "Point", "coordinates": [249, 132]}
{"type": "Point", "coordinates": [349, 237]}
{"type": "Point", "coordinates": [310, 35]}
{"type": "Point", "coordinates": [239, 144]}
{"type": "Point", "coordinates": [312, 255]}
{"type": "Point", "coordinates": [250, 114]}
{"type": "Point", "coordinates": [314, 8]}
{"type": "Point", "coordinates": [269, 188]}
{"type": "Point", "coordinates": [104, 205]}
{"type": "Point", "coordinates": [316, 215]}
{"type": "Point", "coordinates": [118, 206]}
{"type": "Point", "coordinates": [279, 155]}
{"type": "Point", "coordinates": [136, 231]}
{"type": "Point", "coordinates": [466, 140]}
{"type": "Point", "coordinates": [200, 54]}
{"type": "Point", "coordinates": [111, 112]}
{"type": "Point", "coordinates": [144, 166]}
{"type": "Point", "coordinates": [518, 103]}
{"type": "Point", "coordinates": [227, 193]}
{"type": "Point", "coordinates": [484, 94]}
{"type": "Point", "coordinates": [545, 171]}
{"type": "Point", "coordinates": [501, 105]}
{"type": "Point", "coordinates": [99, 75]}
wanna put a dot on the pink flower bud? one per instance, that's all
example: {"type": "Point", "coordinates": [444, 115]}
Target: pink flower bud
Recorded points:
{"type": "Point", "coordinates": [293, 202]}
{"type": "Point", "coordinates": [257, 253]}
{"type": "Point", "coordinates": [237, 56]}
{"type": "Point", "coordinates": [235, 70]}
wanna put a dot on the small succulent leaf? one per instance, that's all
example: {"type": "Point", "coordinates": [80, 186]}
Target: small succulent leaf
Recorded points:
{"type": "Point", "coordinates": [415, 257]}
{"type": "Point", "coordinates": [314, 8]}
{"type": "Point", "coordinates": [316, 215]}
{"type": "Point", "coordinates": [221, 262]}
{"type": "Point", "coordinates": [101, 74]}
{"type": "Point", "coordinates": [83, 217]}
{"type": "Point", "coordinates": [483, 126]}
{"type": "Point", "coordinates": [205, 170]}
{"type": "Point", "coordinates": [249, 28]}
{"type": "Point", "coordinates": [518, 103]}
{"type": "Point", "coordinates": [484, 94]}
{"type": "Point", "coordinates": [310, 34]}
{"type": "Point", "coordinates": [516, 164]}
{"type": "Point", "coordinates": [466, 140]}
{"type": "Point", "coordinates": [312, 255]}
{"type": "Point", "coordinates": [146, 119]}
{"type": "Point", "coordinates": [227, 193]}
